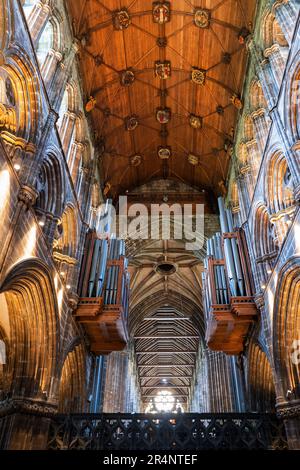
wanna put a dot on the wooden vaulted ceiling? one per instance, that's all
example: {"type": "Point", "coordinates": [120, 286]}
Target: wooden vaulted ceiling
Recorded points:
{"type": "Point", "coordinates": [118, 57]}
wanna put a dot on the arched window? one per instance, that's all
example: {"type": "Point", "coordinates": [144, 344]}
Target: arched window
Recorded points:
{"type": "Point", "coordinates": [280, 194]}
{"type": "Point", "coordinates": [45, 43]}
{"type": "Point", "coordinates": [64, 107]}
{"type": "Point", "coordinates": [28, 7]}
{"type": "Point", "coordinates": [265, 242]}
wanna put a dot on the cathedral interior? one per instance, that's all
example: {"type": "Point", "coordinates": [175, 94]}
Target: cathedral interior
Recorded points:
{"type": "Point", "coordinates": [149, 341]}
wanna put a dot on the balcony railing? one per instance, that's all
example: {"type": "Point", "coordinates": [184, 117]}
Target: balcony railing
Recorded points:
{"type": "Point", "coordinates": [112, 432]}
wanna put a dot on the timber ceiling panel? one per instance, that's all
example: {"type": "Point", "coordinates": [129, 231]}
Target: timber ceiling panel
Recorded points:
{"type": "Point", "coordinates": [217, 49]}
{"type": "Point", "coordinates": [166, 321]}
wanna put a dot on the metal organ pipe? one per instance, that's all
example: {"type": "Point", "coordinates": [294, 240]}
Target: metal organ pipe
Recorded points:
{"type": "Point", "coordinates": [236, 256]}
{"type": "Point", "coordinates": [233, 278]}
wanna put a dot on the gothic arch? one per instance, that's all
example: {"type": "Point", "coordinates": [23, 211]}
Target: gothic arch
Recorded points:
{"type": "Point", "coordinates": [261, 390]}
{"type": "Point", "coordinates": [29, 293]}
{"type": "Point", "coordinates": [286, 330]}
{"type": "Point", "coordinates": [68, 240]}
{"type": "Point", "coordinates": [264, 246]}
{"type": "Point", "coordinates": [20, 108]}
{"type": "Point", "coordinates": [271, 31]}
{"type": "Point", "coordinates": [73, 386]}
{"type": "Point", "coordinates": [51, 186]}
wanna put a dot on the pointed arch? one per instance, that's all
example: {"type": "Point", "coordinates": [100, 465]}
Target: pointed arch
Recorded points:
{"type": "Point", "coordinates": [33, 346]}
{"type": "Point", "coordinates": [286, 330]}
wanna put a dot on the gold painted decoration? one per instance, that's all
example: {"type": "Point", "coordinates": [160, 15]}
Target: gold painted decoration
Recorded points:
{"type": "Point", "coordinates": [161, 12]}
{"type": "Point", "coordinates": [164, 153]}
{"type": "Point", "coordinates": [121, 19]}
{"type": "Point", "coordinates": [195, 121]}
{"type": "Point", "coordinates": [136, 160]}
{"type": "Point", "coordinates": [163, 115]}
{"type": "Point", "coordinates": [90, 105]}
{"type": "Point", "coordinates": [163, 69]}
{"type": "Point", "coordinates": [202, 18]}
{"type": "Point", "coordinates": [237, 102]}
{"type": "Point", "coordinates": [131, 123]}
{"type": "Point", "coordinates": [198, 76]}
{"type": "Point", "coordinates": [193, 159]}
{"type": "Point", "coordinates": [127, 77]}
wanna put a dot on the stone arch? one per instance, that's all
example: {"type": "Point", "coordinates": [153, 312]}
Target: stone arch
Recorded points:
{"type": "Point", "coordinates": [20, 107]}
{"type": "Point", "coordinates": [51, 186]}
{"type": "Point", "coordinates": [264, 243]}
{"type": "Point", "coordinates": [73, 386]}
{"type": "Point", "coordinates": [271, 31]}
{"type": "Point", "coordinates": [286, 331]}
{"type": "Point", "coordinates": [279, 184]}
{"type": "Point", "coordinates": [28, 293]}
{"type": "Point", "coordinates": [50, 45]}
{"type": "Point", "coordinates": [257, 98]}
{"type": "Point", "coordinates": [67, 242]}
{"type": "Point", "coordinates": [279, 189]}
{"type": "Point", "coordinates": [261, 389]}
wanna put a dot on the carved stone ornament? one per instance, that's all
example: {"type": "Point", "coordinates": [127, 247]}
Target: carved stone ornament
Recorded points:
{"type": "Point", "coordinates": [193, 159]}
{"type": "Point", "coordinates": [131, 123]}
{"type": "Point", "coordinates": [127, 77]}
{"type": "Point", "coordinates": [237, 102]}
{"type": "Point", "coordinates": [163, 69]}
{"type": "Point", "coordinates": [161, 12]}
{"type": "Point", "coordinates": [289, 410]}
{"type": "Point", "coordinates": [90, 105]}
{"type": "Point", "coordinates": [195, 121]}
{"type": "Point", "coordinates": [136, 160]}
{"type": "Point", "coordinates": [202, 18]}
{"type": "Point", "coordinates": [28, 196]}
{"type": "Point", "coordinates": [198, 76]}
{"type": "Point", "coordinates": [163, 115]}
{"type": "Point", "coordinates": [164, 153]}
{"type": "Point", "coordinates": [121, 19]}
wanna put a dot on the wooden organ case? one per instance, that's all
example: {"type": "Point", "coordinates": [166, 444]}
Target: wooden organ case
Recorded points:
{"type": "Point", "coordinates": [104, 294]}
{"type": "Point", "coordinates": [228, 289]}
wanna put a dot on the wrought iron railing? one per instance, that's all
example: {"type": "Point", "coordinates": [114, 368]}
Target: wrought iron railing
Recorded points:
{"type": "Point", "coordinates": [167, 432]}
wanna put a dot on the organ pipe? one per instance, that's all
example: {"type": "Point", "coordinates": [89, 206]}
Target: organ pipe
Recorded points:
{"type": "Point", "coordinates": [104, 293]}
{"type": "Point", "coordinates": [227, 287]}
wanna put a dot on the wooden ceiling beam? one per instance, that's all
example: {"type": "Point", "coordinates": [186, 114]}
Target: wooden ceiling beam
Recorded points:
{"type": "Point", "coordinates": [139, 353]}
{"type": "Point", "coordinates": [170, 337]}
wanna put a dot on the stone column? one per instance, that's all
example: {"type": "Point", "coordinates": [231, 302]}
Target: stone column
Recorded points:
{"type": "Point", "coordinates": [37, 19]}
{"type": "Point", "coordinates": [290, 413]}
{"type": "Point", "coordinates": [66, 130]}
{"type": "Point", "coordinates": [254, 158]}
{"type": "Point", "coordinates": [115, 383]}
{"type": "Point", "coordinates": [50, 65]}
{"type": "Point", "coordinates": [62, 75]}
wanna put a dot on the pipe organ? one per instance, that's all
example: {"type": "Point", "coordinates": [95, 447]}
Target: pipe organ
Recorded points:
{"type": "Point", "coordinates": [228, 288]}
{"type": "Point", "coordinates": [104, 294]}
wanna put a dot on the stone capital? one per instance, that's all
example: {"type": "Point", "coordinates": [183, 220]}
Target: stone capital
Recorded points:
{"type": "Point", "coordinates": [28, 195]}
{"type": "Point", "coordinates": [288, 410]}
